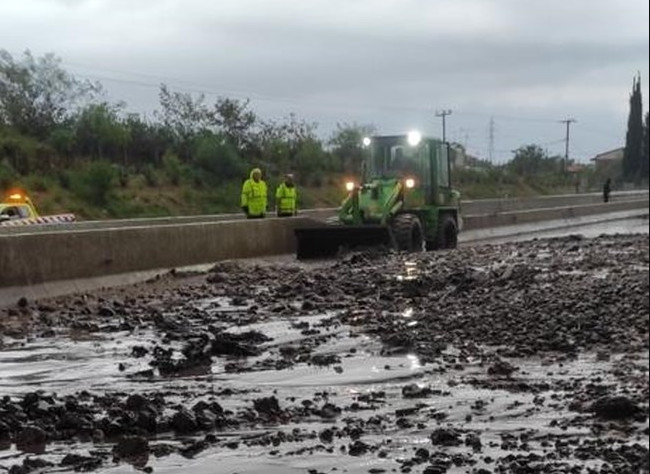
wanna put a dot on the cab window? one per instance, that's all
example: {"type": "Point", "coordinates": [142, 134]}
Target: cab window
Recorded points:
{"type": "Point", "coordinates": [11, 211]}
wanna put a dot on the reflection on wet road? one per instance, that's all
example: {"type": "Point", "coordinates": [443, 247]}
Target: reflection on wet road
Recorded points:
{"type": "Point", "coordinates": [68, 365]}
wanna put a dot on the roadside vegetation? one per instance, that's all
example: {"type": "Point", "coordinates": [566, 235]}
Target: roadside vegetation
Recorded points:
{"type": "Point", "coordinates": [73, 150]}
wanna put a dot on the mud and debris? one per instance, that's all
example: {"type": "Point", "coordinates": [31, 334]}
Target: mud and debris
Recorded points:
{"type": "Point", "coordinates": [520, 358]}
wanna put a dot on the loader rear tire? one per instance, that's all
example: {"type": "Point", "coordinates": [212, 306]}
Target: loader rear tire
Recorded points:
{"type": "Point", "coordinates": [407, 230]}
{"type": "Point", "coordinates": [447, 233]}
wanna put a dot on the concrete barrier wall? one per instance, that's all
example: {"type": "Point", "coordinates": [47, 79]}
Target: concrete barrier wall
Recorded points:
{"type": "Point", "coordinates": [495, 206]}
{"type": "Point", "coordinates": [39, 257]}
{"type": "Point", "coordinates": [30, 259]}
{"type": "Point", "coordinates": [484, 221]}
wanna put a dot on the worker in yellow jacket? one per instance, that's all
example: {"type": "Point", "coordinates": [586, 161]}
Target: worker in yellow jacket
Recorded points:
{"type": "Point", "coordinates": [286, 197]}
{"type": "Point", "coordinates": [254, 195]}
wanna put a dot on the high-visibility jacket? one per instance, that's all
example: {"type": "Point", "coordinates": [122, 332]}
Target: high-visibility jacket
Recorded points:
{"type": "Point", "coordinates": [254, 196]}
{"type": "Point", "coordinates": [286, 199]}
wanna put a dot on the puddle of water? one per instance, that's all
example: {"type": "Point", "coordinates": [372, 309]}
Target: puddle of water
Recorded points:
{"type": "Point", "coordinates": [66, 365]}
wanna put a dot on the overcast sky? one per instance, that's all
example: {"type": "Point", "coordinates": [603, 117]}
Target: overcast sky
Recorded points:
{"type": "Point", "coordinates": [393, 63]}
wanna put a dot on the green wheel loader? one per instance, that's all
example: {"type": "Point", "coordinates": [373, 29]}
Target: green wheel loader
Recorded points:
{"type": "Point", "coordinates": [405, 201]}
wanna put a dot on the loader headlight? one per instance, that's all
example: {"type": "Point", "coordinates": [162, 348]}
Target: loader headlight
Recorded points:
{"type": "Point", "coordinates": [414, 138]}
{"type": "Point", "coordinates": [366, 141]}
{"type": "Point", "coordinates": [349, 186]}
{"type": "Point", "coordinates": [409, 183]}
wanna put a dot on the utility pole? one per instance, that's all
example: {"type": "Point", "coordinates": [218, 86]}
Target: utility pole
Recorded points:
{"type": "Point", "coordinates": [443, 114]}
{"type": "Point", "coordinates": [568, 123]}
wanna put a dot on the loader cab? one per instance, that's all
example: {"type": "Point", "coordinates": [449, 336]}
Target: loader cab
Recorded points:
{"type": "Point", "coordinates": [426, 160]}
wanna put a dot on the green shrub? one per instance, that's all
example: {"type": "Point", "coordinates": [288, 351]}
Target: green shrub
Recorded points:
{"type": "Point", "coordinates": [7, 176]}
{"type": "Point", "coordinates": [64, 178]}
{"type": "Point", "coordinates": [94, 183]}
{"type": "Point", "coordinates": [38, 183]}
{"type": "Point", "coordinates": [25, 154]}
{"type": "Point", "coordinates": [172, 167]}
{"type": "Point", "coordinates": [122, 176]}
{"type": "Point", "coordinates": [217, 160]}
{"type": "Point", "coordinates": [150, 176]}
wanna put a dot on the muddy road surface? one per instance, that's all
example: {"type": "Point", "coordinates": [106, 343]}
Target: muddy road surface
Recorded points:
{"type": "Point", "coordinates": [522, 358]}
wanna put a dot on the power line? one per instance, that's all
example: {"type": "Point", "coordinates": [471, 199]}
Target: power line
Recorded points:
{"type": "Point", "coordinates": [200, 88]}
{"type": "Point", "coordinates": [256, 96]}
{"type": "Point", "coordinates": [193, 86]}
{"type": "Point", "coordinates": [510, 118]}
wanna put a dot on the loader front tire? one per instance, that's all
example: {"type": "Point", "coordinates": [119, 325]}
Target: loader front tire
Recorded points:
{"type": "Point", "coordinates": [407, 230]}
{"type": "Point", "coordinates": [447, 233]}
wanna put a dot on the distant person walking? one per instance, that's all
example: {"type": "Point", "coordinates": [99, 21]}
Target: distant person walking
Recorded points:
{"type": "Point", "coordinates": [607, 190]}
{"type": "Point", "coordinates": [254, 195]}
{"type": "Point", "coordinates": [286, 197]}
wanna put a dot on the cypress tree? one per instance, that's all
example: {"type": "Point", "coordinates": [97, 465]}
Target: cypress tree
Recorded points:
{"type": "Point", "coordinates": [632, 157]}
{"type": "Point", "coordinates": [644, 170]}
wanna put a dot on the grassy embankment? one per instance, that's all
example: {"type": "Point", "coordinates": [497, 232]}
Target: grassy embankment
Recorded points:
{"type": "Point", "coordinates": [142, 196]}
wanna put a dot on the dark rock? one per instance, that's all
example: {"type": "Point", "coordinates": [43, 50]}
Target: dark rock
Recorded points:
{"type": "Point", "coordinates": [145, 374]}
{"type": "Point", "coordinates": [131, 447]}
{"type": "Point", "coordinates": [415, 391]}
{"type": "Point", "coordinates": [308, 305]}
{"type": "Point", "coordinates": [193, 449]}
{"type": "Point", "coordinates": [184, 422]}
{"type": "Point", "coordinates": [81, 463]}
{"type": "Point", "coordinates": [501, 368]}
{"type": "Point", "coordinates": [5, 431]}
{"type": "Point", "coordinates": [226, 344]}
{"type": "Point", "coordinates": [329, 411]}
{"type": "Point", "coordinates": [324, 360]}
{"type": "Point", "coordinates": [31, 436]}
{"type": "Point", "coordinates": [139, 351]}
{"type": "Point", "coordinates": [135, 402]}
{"type": "Point", "coordinates": [217, 277]}
{"type": "Point", "coordinates": [615, 408]}
{"type": "Point", "coordinates": [267, 406]}
{"type": "Point", "coordinates": [106, 311]}
{"type": "Point", "coordinates": [34, 464]}
{"type": "Point", "coordinates": [358, 448]}
{"type": "Point", "coordinates": [474, 442]}
{"type": "Point", "coordinates": [326, 436]}
{"type": "Point", "coordinates": [445, 437]}
{"type": "Point", "coordinates": [422, 454]}
{"type": "Point", "coordinates": [435, 469]}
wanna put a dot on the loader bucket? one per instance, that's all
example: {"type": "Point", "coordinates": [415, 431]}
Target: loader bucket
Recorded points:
{"type": "Point", "coordinates": [326, 241]}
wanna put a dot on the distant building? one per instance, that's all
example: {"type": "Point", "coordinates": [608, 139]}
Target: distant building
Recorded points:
{"type": "Point", "coordinates": [461, 159]}
{"type": "Point", "coordinates": [576, 168]}
{"type": "Point", "coordinates": [476, 162]}
{"type": "Point", "coordinates": [458, 156]}
{"type": "Point", "coordinates": [608, 161]}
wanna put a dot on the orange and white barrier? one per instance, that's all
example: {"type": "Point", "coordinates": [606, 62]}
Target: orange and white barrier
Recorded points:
{"type": "Point", "coordinates": [57, 219]}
